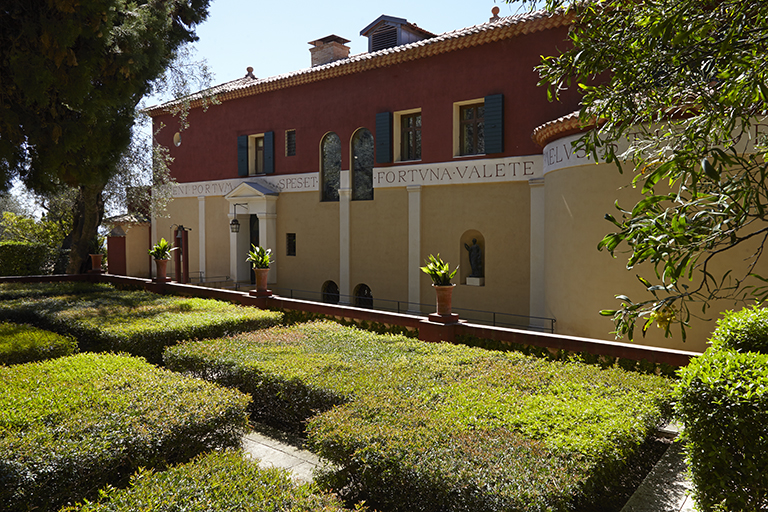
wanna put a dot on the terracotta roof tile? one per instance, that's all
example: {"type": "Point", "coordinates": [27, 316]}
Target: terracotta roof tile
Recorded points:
{"type": "Point", "coordinates": [502, 28]}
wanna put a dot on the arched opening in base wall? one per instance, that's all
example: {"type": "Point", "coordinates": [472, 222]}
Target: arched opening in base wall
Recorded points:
{"type": "Point", "coordinates": [472, 263]}
{"type": "Point", "coordinates": [363, 296]}
{"type": "Point", "coordinates": [330, 292]}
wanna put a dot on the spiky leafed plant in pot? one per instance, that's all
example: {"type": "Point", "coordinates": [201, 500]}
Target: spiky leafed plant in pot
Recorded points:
{"type": "Point", "coordinates": [260, 259]}
{"type": "Point", "coordinates": [161, 252]}
{"type": "Point", "coordinates": [441, 275]}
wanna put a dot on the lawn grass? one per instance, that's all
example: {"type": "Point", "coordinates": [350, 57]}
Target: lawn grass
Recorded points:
{"type": "Point", "coordinates": [439, 427]}
{"type": "Point", "coordinates": [69, 426]}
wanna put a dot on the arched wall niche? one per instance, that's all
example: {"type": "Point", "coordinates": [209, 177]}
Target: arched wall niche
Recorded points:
{"type": "Point", "coordinates": [466, 245]}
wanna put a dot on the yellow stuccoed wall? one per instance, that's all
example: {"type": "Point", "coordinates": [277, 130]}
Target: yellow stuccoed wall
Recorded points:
{"type": "Point", "coordinates": [181, 211]}
{"type": "Point", "coordinates": [501, 213]}
{"type": "Point", "coordinates": [379, 244]}
{"type": "Point", "coordinates": [137, 260]}
{"type": "Point", "coordinates": [580, 280]}
{"type": "Point", "coordinates": [216, 236]}
{"type": "Point", "coordinates": [316, 225]}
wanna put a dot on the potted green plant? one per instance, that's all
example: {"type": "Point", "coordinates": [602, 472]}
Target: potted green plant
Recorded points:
{"type": "Point", "coordinates": [161, 252]}
{"type": "Point", "coordinates": [260, 259]}
{"type": "Point", "coordinates": [441, 275]}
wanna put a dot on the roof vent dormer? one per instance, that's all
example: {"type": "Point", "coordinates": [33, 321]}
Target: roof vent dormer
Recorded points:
{"type": "Point", "coordinates": [388, 32]}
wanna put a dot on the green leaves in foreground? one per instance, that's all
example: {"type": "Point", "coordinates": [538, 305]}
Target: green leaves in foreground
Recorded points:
{"type": "Point", "coordinates": [215, 482]}
{"type": "Point", "coordinates": [71, 425]}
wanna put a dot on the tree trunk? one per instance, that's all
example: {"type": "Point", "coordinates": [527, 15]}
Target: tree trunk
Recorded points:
{"type": "Point", "coordinates": [89, 210]}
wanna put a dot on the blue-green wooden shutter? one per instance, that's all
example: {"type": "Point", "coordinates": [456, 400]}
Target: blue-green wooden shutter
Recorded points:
{"type": "Point", "coordinates": [384, 137]}
{"type": "Point", "coordinates": [494, 123]}
{"type": "Point", "coordinates": [269, 153]}
{"type": "Point", "coordinates": [242, 155]}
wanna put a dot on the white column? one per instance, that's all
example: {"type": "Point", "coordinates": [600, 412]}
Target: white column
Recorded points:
{"type": "Point", "coordinates": [232, 251]}
{"type": "Point", "coordinates": [268, 239]}
{"type": "Point", "coordinates": [414, 247]}
{"type": "Point", "coordinates": [537, 295]}
{"type": "Point", "coordinates": [153, 241]}
{"type": "Point", "coordinates": [201, 234]}
{"type": "Point", "coordinates": [345, 195]}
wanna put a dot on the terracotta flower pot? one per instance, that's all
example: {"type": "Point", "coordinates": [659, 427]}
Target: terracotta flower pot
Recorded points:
{"type": "Point", "coordinates": [96, 262]}
{"type": "Point", "coordinates": [444, 298]}
{"type": "Point", "coordinates": [262, 274]}
{"type": "Point", "coordinates": [161, 270]}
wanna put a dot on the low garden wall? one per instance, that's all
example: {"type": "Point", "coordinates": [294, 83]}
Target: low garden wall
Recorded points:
{"type": "Point", "coordinates": [464, 332]}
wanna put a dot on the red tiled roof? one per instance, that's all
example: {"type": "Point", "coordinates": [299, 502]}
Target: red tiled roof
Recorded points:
{"type": "Point", "coordinates": [496, 30]}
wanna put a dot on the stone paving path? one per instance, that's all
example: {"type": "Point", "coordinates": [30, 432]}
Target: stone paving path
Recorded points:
{"type": "Point", "coordinates": [665, 488]}
{"type": "Point", "coordinates": [271, 452]}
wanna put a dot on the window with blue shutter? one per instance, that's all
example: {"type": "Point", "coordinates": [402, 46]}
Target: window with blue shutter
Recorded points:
{"type": "Point", "coordinates": [242, 155]}
{"type": "Point", "coordinates": [494, 124]}
{"type": "Point", "coordinates": [384, 137]}
{"type": "Point", "coordinates": [269, 152]}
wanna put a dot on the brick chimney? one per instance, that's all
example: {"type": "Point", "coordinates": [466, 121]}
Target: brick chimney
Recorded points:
{"type": "Point", "coordinates": [329, 49]}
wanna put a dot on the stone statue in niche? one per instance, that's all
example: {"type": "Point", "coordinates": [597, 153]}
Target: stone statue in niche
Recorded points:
{"type": "Point", "coordinates": [475, 259]}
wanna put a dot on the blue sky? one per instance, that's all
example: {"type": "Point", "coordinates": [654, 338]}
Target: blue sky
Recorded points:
{"type": "Point", "coordinates": [273, 37]}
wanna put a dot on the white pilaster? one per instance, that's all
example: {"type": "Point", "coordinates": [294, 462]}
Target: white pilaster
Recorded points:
{"type": "Point", "coordinates": [414, 247]}
{"type": "Point", "coordinates": [268, 239]}
{"type": "Point", "coordinates": [345, 196]}
{"type": "Point", "coordinates": [201, 234]}
{"type": "Point", "coordinates": [153, 241]}
{"type": "Point", "coordinates": [538, 244]}
{"type": "Point", "coordinates": [232, 251]}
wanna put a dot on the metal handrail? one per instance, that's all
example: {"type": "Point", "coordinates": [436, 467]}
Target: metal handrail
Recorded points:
{"type": "Point", "coordinates": [494, 318]}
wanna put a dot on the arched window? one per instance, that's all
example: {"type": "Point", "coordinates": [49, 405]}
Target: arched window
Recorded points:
{"type": "Point", "coordinates": [362, 156]}
{"type": "Point", "coordinates": [331, 166]}
{"type": "Point", "coordinates": [330, 292]}
{"type": "Point", "coordinates": [363, 296]}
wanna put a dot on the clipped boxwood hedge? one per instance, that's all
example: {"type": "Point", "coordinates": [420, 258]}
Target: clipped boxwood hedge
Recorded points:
{"type": "Point", "coordinates": [72, 425]}
{"type": "Point", "coordinates": [21, 343]}
{"type": "Point", "coordinates": [137, 322]}
{"type": "Point", "coordinates": [722, 401]}
{"type": "Point", "coordinates": [23, 258]}
{"type": "Point", "coordinates": [439, 427]}
{"type": "Point", "coordinates": [215, 482]}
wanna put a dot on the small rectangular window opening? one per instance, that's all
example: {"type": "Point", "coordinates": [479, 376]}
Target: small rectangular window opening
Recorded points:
{"type": "Point", "coordinates": [290, 244]}
{"type": "Point", "coordinates": [290, 143]}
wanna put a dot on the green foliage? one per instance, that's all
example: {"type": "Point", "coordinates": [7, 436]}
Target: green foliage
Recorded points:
{"type": "Point", "coordinates": [137, 322]}
{"type": "Point", "coordinates": [722, 399]}
{"type": "Point", "coordinates": [438, 271]}
{"type": "Point", "coordinates": [24, 343]}
{"type": "Point", "coordinates": [72, 425]}
{"type": "Point", "coordinates": [259, 257]}
{"type": "Point", "coordinates": [417, 426]}
{"type": "Point", "coordinates": [23, 259]}
{"type": "Point", "coordinates": [215, 482]}
{"type": "Point", "coordinates": [162, 250]}
{"type": "Point", "coordinates": [19, 228]}
{"type": "Point", "coordinates": [681, 98]}
{"type": "Point", "coordinates": [742, 331]}
{"type": "Point", "coordinates": [72, 74]}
